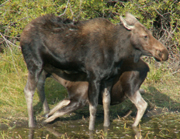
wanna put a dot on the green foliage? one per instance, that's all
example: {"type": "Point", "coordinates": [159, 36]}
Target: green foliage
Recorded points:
{"type": "Point", "coordinates": [157, 72]}
{"type": "Point", "coordinates": [162, 17]}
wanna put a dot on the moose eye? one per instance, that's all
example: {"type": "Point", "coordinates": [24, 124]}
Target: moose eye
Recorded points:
{"type": "Point", "coordinates": [145, 37]}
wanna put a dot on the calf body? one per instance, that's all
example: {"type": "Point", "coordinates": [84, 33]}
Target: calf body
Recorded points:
{"type": "Point", "coordinates": [131, 77]}
{"type": "Point", "coordinates": [94, 48]}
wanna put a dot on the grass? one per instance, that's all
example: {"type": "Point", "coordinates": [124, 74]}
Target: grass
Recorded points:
{"type": "Point", "coordinates": [13, 76]}
{"type": "Point", "coordinates": [12, 79]}
{"type": "Point", "coordinates": [162, 87]}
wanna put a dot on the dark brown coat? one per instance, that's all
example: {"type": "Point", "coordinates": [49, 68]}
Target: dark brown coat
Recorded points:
{"type": "Point", "coordinates": [95, 48]}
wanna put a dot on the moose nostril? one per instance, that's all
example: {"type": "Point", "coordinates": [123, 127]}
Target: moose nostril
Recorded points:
{"type": "Point", "coordinates": [165, 54]}
{"type": "Point", "coordinates": [159, 53]}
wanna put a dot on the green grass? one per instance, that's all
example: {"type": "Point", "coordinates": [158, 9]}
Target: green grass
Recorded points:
{"type": "Point", "coordinates": [12, 79]}
{"type": "Point", "coordinates": [13, 76]}
{"type": "Point", "coordinates": [162, 87]}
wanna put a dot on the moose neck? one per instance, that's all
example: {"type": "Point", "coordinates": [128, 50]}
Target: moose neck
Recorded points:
{"type": "Point", "coordinates": [124, 48]}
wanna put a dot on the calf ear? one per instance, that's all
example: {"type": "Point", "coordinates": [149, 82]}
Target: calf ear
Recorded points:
{"type": "Point", "coordinates": [125, 24]}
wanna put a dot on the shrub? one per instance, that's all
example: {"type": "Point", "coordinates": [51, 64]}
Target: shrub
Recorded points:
{"type": "Point", "coordinates": [161, 17]}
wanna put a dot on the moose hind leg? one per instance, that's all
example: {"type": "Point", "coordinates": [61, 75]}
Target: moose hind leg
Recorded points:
{"type": "Point", "coordinates": [29, 93]}
{"type": "Point", "coordinates": [41, 92]}
{"type": "Point", "coordinates": [140, 104]}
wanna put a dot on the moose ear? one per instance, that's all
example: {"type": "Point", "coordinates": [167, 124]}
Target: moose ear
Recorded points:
{"type": "Point", "coordinates": [125, 24]}
{"type": "Point", "coordinates": [129, 21]}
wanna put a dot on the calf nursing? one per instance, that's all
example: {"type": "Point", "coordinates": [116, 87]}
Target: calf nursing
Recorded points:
{"type": "Point", "coordinates": [131, 77]}
{"type": "Point", "coordinates": [94, 48]}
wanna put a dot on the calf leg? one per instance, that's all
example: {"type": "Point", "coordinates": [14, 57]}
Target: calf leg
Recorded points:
{"type": "Point", "coordinates": [73, 105]}
{"type": "Point", "coordinates": [59, 106]}
{"type": "Point", "coordinates": [140, 104]}
{"type": "Point", "coordinates": [41, 93]}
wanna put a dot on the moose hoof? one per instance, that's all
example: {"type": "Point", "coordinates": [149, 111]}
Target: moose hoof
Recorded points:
{"type": "Point", "coordinates": [32, 125]}
{"type": "Point", "coordinates": [46, 116]}
{"type": "Point", "coordinates": [107, 124]}
{"type": "Point", "coordinates": [134, 125]}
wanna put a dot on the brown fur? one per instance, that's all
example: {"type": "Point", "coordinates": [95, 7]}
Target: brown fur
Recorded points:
{"type": "Point", "coordinates": [95, 48]}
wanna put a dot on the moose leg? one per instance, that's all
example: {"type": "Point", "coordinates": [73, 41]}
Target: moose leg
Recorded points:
{"type": "Point", "coordinates": [106, 101]}
{"type": "Point", "coordinates": [93, 94]}
{"type": "Point", "coordinates": [106, 104]}
{"type": "Point", "coordinates": [29, 93]}
{"type": "Point", "coordinates": [41, 93]}
{"type": "Point", "coordinates": [140, 104]}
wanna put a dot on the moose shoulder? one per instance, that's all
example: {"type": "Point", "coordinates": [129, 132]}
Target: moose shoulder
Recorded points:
{"type": "Point", "coordinates": [95, 48]}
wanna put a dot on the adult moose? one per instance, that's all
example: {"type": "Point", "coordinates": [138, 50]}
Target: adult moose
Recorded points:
{"type": "Point", "coordinates": [128, 85]}
{"type": "Point", "coordinates": [95, 48]}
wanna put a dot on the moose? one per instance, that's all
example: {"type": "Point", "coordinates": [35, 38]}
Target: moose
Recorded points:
{"type": "Point", "coordinates": [132, 75]}
{"type": "Point", "coordinates": [94, 48]}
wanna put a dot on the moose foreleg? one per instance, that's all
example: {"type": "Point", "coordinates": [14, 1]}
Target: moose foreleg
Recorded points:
{"type": "Point", "coordinates": [93, 94]}
{"type": "Point", "coordinates": [106, 104]}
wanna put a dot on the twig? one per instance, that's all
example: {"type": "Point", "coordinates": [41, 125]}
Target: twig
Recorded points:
{"type": "Point", "coordinates": [8, 42]}
{"type": "Point", "coordinates": [71, 12]}
{"type": "Point", "coordinates": [130, 111]}
{"type": "Point", "coordinates": [4, 3]}
{"type": "Point", "coordinates": [159, 13]}
{"type": "Point", "coordinates": [175, 72]}
{"type": "Point", "coordinates": [65, 9]}
{"type": "Point", "coordinates": [11, 37]}
{"type": "Point", "coordinates": [80, 10]}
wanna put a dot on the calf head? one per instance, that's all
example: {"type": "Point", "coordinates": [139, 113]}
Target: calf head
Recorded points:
{"type": "Point", "coordinates": [143, 41]}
